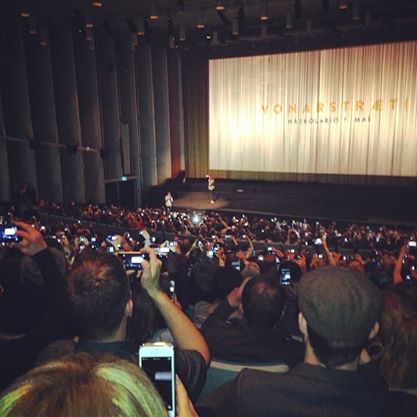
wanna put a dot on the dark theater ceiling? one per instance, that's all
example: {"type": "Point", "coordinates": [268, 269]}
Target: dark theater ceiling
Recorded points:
{"type": "Point", "coordinates": [231, 22]}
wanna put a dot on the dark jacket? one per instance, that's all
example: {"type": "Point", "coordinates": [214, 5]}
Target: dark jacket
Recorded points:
{"type": "Point", "coordinates": [305, 391]}
{"type": "Point", "coordinates": [235, 341]}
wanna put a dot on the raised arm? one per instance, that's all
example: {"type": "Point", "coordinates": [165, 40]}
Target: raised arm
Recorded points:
{"type": "Point", "coordinates": [330, 258]}
{"type": "Point", "coordinates": [18, 356]}
{"type": "Point", "coordinates": [398, 265]}
{"type": "Point", "coordinates": [185, 333]}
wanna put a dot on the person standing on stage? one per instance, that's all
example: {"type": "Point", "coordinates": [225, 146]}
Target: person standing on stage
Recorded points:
{"type": "Point", "coordinates": [169, 200]}
{"type": "Point", "coordinates": [211, 185]}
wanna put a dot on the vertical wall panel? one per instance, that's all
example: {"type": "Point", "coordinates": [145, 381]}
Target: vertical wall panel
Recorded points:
{"type": "Point", "coordinates": [4, 164]}
{"type": "Point", "coordinates": [128, 105]}
{"type": "Point", "coordinates": [42, 102]}
{"type": "Point", "coordinates": [109, 101]}
{"type": "Point", "coordinates": [16, 108]}
{"type": "Point", "coordinates": [160, 88]}
{"type": "Point", "coordinates": [146, 114]}
{"type": "Point", "coordinates": [176, 112]}
{"type": "Point", "coordinates": [196, 125]}
{"type": "Point", "coordinates": [66, 101]}
{"type": "Point", "coordinates": [89, 104]}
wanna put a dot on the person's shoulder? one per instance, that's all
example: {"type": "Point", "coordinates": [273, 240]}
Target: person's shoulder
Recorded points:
{"type": "Point", "coordinates": [186, 355]}
{"type": "Point", "coordinates": [250, 378]}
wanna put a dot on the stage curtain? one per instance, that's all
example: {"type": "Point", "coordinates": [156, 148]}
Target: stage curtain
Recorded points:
{"type": "Point", "coordinates": [347, 111]}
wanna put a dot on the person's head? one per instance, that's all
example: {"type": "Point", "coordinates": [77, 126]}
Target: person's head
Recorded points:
{"type": "Point", "coordinates": [263, 302]}
{"type": "Point", "coordinates": [202, 273]}
{"type": "Point", "coordinates": [340, 309]}
{"type": "Point", "coordinates": [82, 385]}
{"type": "Point", "coordinates": [146, 318]}
{"type": "Point", "coordinates": [100, 295]}
{"type": "Point", "coordinates": [225, 279]}
{"type": "Point", "coordinates": [399, 336]}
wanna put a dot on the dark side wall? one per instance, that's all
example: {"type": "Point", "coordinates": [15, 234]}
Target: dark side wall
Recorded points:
{"type": "Point", "coordinates": [78, 112]}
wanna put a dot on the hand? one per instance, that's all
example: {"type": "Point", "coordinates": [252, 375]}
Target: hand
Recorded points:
{"type": "Point", "coordinates": [301, 262]}
{"type": "Point", "coordinates": [337, 257]}
{"type": "Point", "coordinates": [32, 242]}
{"type": "Point", "coordinates": [278, 253]}
{"type": "Point", "coordinates": [63, 239]}
{"type": "Point", "coordinates": [151, 271]}
{"type": "Point", "coordinates": [364, 357]}
{"type": "Point", "coordinates": [125, 245]}
{"type": "Point", "coordinates": [359, 259]}
{"type": "Point", "coordinates": [185, 407]}
{"type": "Point", "coordinates": [241, 256]}
{"type": "Point", "coordinates": [235, 296]}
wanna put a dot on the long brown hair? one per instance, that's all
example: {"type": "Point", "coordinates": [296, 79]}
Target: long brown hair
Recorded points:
{"type": "Point", "coordinates": [399, 335]}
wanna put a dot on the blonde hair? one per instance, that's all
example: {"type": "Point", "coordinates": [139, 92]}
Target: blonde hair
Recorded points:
{"type": "Point", "coordinates": [81, 385]}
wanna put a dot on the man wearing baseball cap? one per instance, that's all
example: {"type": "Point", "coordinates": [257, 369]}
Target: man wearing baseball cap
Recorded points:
{"type": "Point", "coordinates": [339, 313]}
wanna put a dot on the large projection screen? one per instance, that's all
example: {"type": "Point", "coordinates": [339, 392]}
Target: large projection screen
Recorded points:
{"type": "Point", "coordinates": [350, 111]}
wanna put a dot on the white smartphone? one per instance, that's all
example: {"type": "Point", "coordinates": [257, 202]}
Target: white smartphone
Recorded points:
{"type": "Point", "coordinates": [157, 360]}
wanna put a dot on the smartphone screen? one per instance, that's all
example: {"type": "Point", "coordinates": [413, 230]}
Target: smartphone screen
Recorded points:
{"type": "Point", "coordinates": [8, 233]}
{"type": "Point", "coordinates": [236, 265]}
{"type": "Point", "coordinates": [159, 371]}
{"type": "Point", "coordinates": [158, 364]}
{"type": "Point", "coordinates": [171, 289]}
{"type": "Point", "coordinates": [132, 260]}
{"type": "Point", "coordinates": [285, 278]}
{"type": "Point", "coordinates": [162, 251]}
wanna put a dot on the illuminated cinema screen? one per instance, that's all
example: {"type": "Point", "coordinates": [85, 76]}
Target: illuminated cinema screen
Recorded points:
{"type": "Point", "coordinates": [340, 111]}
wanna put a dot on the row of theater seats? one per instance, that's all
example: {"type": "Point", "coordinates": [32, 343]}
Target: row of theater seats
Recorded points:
{"type": "Point", "coordinates": [161, 236]}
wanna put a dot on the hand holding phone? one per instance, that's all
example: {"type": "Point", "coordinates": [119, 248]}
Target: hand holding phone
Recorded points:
{"type": "Point", "coordinates": [151, 272]}
{"type": "Point", "coordinates": [32, 242]}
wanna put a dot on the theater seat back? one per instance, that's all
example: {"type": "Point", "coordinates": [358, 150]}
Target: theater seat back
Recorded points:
{"type": "Point", "coordinates": [221, 372]}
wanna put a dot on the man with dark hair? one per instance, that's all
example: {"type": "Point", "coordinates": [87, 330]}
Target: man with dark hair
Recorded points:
{"type": "Point", "coordinates": [244, 326]}
{"type": "Point", "coordinates": [262, 303]}
{"type": "Point", "coordinates": [102, 304]}
{"type": "Point", "coordinates": [100, 296]}
{"type": "Point", "coordinates": [339, 312]}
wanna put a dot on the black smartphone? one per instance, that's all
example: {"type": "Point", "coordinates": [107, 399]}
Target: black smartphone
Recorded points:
{"type": "Point", "coordinates": [132, 260]}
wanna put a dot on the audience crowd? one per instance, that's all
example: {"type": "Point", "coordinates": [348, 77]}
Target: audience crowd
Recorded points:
{"type": "Point", "coordinates": [333, 303]}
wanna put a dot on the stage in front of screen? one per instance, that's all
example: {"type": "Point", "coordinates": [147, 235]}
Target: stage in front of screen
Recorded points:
{"type": "Point", "coordinates": [373, 204]}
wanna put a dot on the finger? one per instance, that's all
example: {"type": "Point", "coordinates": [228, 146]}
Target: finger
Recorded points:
{"type": "Point", "coordinates": [24, 226]}
{"type": "Point", "coordinates": [182, 397]}
{"type": "Point", "coordinates": [146, 264]}
{"type": "Point", "coordinates": [23, 234]}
